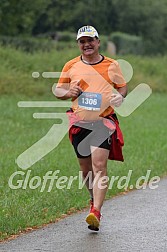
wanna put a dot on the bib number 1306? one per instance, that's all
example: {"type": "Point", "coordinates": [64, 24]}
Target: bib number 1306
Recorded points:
{"type": "Point", "coordinates": [90, 101]}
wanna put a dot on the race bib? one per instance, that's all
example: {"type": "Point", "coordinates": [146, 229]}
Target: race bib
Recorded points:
{"type": "Point", "coordinates": [90, 101]}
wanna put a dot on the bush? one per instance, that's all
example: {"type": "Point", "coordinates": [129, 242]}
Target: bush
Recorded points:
{"type": "Point", "coordinates": [103, 42]}
{"type": "Point", "coordinates": [66, 36]}
{"type": "Point", "coordinates": [46, 43]}
{"type": "Point", "coordinates": [28, 44]}
{"type": "Point", "coordinates": [126, 43]}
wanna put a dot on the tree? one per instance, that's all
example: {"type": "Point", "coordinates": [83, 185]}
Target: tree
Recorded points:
{"type": "Point", "coordinates": [19, 17]}
{"type": "Point", "coordinates": [144, 18]}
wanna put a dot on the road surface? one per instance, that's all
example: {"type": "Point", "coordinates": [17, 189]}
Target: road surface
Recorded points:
{"type": "Point", "coordinates": [133, 222]}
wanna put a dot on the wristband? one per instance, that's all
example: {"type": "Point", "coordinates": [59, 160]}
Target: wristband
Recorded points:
{"type": "Point", "coordinates": [122, 95]}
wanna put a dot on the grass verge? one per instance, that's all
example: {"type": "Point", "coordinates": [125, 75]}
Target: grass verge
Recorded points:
{"type": "Point", "coordinates": [145, 149]}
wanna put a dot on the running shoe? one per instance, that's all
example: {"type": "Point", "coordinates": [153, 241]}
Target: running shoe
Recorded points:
{"type": "Point", "coordinates": [93, 219]}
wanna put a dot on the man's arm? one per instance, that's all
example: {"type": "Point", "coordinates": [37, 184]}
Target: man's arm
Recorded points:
{"type": "Point", "coordinates": [65, 94]}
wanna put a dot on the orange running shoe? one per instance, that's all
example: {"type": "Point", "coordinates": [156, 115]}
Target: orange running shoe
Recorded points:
{"type": "Point", "coordinates": [93, 219]}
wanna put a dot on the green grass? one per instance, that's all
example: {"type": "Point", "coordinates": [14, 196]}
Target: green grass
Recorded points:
{"type": "Point", "coordinates": [150, 70]}
{"type": "Point", "coordinates": [145, 149]}
{"type": "Point", "coordinates": [144, 133]}
{"type": "Point", "coordinates": [16, 68]}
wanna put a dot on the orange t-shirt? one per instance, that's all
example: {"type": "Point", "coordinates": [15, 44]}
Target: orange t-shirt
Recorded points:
{"type": "Point", "coordinates": [97, 82]}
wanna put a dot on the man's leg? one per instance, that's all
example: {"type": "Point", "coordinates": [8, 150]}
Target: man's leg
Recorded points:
{"type": "Point", "coordinates": [86, 167]}
{"type": "Point", "coordinates": [99, 166]}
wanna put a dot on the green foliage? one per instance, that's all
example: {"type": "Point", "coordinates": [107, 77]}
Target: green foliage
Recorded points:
{"type": "Point", "coordinates": [28, 44]}
{"type": "Point", "coordinates": [66, 36]}
{"type": "Point", "coordinates": [103, 42]}
{"type": "Point", "coordinates": [20, 17]}
{"type": "Point", "coordinates": [126, 43]}
{"type": "Point", "coordinates": [146, 19]}
{"type": "Point", "coordinates": [32, 44]}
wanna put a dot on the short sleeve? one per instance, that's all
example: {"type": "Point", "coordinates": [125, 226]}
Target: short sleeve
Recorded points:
{"type": "Point", "coordinates": [116, 75]}
{"type": "Point", "coordinates": [64, 80]}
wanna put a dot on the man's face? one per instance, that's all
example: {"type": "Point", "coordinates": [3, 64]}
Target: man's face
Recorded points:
{"type": "Point", "coordinates": [89, 46]}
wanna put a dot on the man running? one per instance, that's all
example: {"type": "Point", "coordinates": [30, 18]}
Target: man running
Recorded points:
{"type": "Point", "coordinates": [95, 85]}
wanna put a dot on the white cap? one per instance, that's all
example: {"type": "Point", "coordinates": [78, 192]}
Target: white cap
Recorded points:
{"type": "Point", "coordinates": [88, 31]}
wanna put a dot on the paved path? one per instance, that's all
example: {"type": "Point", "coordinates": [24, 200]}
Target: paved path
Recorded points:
{"type": "Point", "coordinates": [133, 222]}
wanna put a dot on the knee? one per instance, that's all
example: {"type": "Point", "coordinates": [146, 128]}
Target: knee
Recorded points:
{"type": "Point", "coordinates": [100, 166]}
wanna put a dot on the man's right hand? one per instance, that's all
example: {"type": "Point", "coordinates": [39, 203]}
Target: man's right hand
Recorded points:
{"type": "Point", "coordinates": [64, 94]}
{"type": "Point", "coordinates": [74, 91]}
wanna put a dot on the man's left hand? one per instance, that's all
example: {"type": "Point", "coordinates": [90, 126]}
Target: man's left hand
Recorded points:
{"type": "Point", "coordinates": [116, 100]}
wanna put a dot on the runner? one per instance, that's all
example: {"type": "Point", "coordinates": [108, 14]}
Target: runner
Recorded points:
{"type": "Point", "coordinates": [95, 85]}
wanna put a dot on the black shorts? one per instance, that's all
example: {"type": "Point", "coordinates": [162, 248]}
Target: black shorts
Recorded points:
{"type": "Point", "coordinates": [91, 134]}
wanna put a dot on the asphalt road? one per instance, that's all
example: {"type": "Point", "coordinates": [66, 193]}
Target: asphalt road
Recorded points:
{"type": "Point", "coordinates": [133, 222]}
